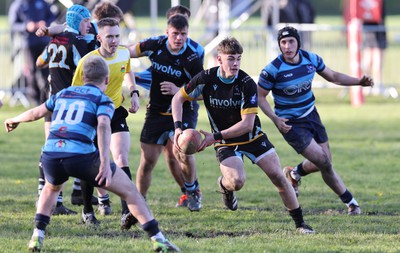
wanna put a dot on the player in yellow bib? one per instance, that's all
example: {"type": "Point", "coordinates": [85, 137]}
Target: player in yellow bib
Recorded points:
{"type": "Point", "coordinates": [118, 60]}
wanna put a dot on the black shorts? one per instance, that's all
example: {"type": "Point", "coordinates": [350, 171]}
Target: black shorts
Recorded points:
{"type": "Point", "coordinates": [254, 150]}
{"type": "Point", "coordinates": [118, 121]}
{"type": "Point", "coordinates": [84, 167]}
{"type": "Point", "coordinates": [304, 130]}
{"type": "Point", "coordinates": [158, 128]}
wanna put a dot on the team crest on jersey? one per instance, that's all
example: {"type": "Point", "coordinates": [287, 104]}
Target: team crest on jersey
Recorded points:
{"type": "Point", "coordinates": [215, 86]}
{"type": "Point", "coordinates": [60, 144]}
{"type": "Point", "coordinates": [310, 68]}
{"type": "Point", "coordinates": [253, 99]}
{"type": "Point", "coordinates": [62, 129]}
{"type": "Point", "coordinates": [265, 73]}
{"type": "Point", "coordinates": [123, 69]}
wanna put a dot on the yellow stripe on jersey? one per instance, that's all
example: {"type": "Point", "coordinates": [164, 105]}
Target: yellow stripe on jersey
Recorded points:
{"type": "Point", "coordinates": [118, 65]}
{"type": "Point", "coordinates": [185, 95]}
{"type": "Point", "coordinates": [239, 143]}
{"type": "Point", "coordinates": [252, 110]}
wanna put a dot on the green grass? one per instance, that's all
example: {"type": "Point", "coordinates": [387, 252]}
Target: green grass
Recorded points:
{"type": "Point", "coordinates": [365, 143]}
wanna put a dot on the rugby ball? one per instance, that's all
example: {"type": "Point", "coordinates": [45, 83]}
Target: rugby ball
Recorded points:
{"type": "Point", "coordinates": [189, 141]}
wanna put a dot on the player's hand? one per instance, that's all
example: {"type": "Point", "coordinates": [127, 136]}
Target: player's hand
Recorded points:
{"type": "Point", "coordinates": [177, 133]}
{"type": "Point", "coordinates": [134, 104]}
{"type": "Point", "coordinates": [168, 88]}
{"type": "Point", "coordinates": [208, 140]}
{"type": "Point", "coordinates": [280, 123]}
{"type": "Point", "coordinates": [104, 175]}
{"type": "Point", "coordinates": [42, 31]}
{"type": "Point", "coordinates": [367, 81]}
{"type": "Point", "coordinates": [10, 125]}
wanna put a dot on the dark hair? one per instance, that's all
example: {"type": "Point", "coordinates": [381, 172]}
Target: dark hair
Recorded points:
{"type": "Point", "coordinates": [289, 31]}
{"type": "Point", "coordinates": [107, 22]}
{"type": "Point", "coordinates": [178, 22]}
{"type": "Point", "coordinates": [229, 45]}
{"type": "Point", "coordinates": [178, 9]}
{"type": "Point", "coordinates": [107, 10]}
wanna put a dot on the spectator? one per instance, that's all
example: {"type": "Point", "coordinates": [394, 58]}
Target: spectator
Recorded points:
{"type": "Point", "coordinates": [292, 11]}
{"type": "Point", "coordinates": [25, 17]}
{"type": "Point", "coordinates": [374, 44]}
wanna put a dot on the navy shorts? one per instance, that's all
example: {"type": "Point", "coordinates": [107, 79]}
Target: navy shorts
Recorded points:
{"type": "Point", "coordinates": [254, 150]}
{"type": "Point", "coordinates": [158, 128]}
{"type": "Point", "coordinates": [85, 167]}
{"type": "Point", "coordinates": [304, 130]}
{"type": "Point", "coordinates": [118, 121]}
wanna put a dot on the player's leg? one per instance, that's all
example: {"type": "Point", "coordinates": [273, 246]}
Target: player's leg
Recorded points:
{"type": "Point", "coordinates": [319, 155]}
{"type": "Point", "coordinates": [176, 172]}
{"type": "Point", "coordinates": [192, 188]}
{"type": "Point", "coordinates": [149, 154]}
{"type": "Point", "coordinates": [55, 178]}
{"type": "Point", "coordinates": [124, 187]}
{"type": "Point", "coordinates": [232, 179]}
{"type": "Point", "coordinates": [120, 146]}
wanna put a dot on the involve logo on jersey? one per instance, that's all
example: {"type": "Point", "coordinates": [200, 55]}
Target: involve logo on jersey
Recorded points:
{"type": "Point", "coordinates": [123, 69]}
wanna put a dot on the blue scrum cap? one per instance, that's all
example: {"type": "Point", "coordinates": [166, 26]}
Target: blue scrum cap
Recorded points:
{"type": "Point", "coordinates": [75, 14]}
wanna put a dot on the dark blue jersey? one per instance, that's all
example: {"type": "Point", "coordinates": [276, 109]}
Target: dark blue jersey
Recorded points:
{"type": "Point", "coordinates": [176, 68]}
{"type": "Point", "coordinates": [74, 120]}
{"type": "Point", "coordinates": [226, 100]}
{"type": "Point", "coordinates": [291, 84]}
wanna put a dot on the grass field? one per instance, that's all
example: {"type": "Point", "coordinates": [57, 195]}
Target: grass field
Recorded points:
{"type": "Point", "coordinates": [365, 143]}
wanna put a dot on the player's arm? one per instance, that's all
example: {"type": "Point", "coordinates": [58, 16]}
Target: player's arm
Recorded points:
{"type": "Point", "coordinates": [43, 60]}
{"type": "Point", "coordinates": [27, 116]}
{"type": "Point", "coordinates": [129, 79]}
{"type": "Point", "coordinates": [103, 141]}
{"type": "Point", "coordinates": [266, 108]}
{"type": "Point", "coordinates": [50, 31]}
{"type": "Point", "coordinates": [345, 80]}
{"type": "Point", "coordinates": [176, 105]}
{"type": "Point", "coordinates": [134, 50]}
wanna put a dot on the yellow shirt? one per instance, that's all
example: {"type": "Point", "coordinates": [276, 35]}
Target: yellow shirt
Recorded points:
{"type": "Point", "coordinates": [118, 65]}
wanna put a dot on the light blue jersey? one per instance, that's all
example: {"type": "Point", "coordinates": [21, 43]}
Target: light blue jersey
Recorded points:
{"type": "Point", "coordinates": [74, 120]}
{"type": "Point", "coordinates": [291, 84]}
{"type": "Point", "coordinates": [143, 78]}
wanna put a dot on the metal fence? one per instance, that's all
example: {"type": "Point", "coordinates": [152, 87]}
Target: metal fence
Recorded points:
{"type": "Point", "coordinates": [329, 42]}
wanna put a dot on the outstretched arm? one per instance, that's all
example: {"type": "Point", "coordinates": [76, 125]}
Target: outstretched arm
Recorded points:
{"type": "Point", "coordinates": [345, 80]}
{"type": "Point", "coordinates": [27, 116]}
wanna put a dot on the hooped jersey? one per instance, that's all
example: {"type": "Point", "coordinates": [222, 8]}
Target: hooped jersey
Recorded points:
{"type": "Point", "coordinates": [74, 120]}
{"type": "Point", "coordinates": [118, 65]}
{"type": "Point", "coordinates": [176, 68]}
{"type": "Point", "coordinates": [63, 54]}
{"type": "Point", "coordinates": [226, 100]}
{"type": "Point", "coordinates": [291, 84]}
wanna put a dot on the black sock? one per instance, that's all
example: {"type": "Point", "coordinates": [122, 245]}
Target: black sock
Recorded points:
{"type": "Point", "coordinates": [151, 228]}
{"type": "Point", "coordinates": [300, 170]}
{"type": "Point", "coordinates": [124, 205]}
{"type": "Point", "coordinates": [87, 193]}
{"type": "Point", "coordinates": [297, 216]}
{"type": "Point", "coordinates": [41, 221]}
{"type": "Point", "coordinates": [346, 197]}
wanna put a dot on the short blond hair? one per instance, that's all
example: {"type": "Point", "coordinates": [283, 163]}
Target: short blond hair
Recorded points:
{"type": "Point", "coordinates": [95, 69]}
